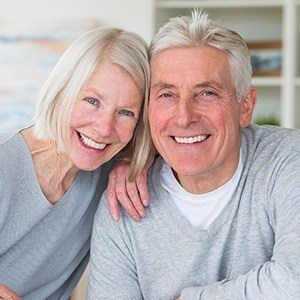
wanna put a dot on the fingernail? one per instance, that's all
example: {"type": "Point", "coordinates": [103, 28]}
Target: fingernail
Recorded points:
{"type": "Point", "coordinates": [115, 217]}
{"type": "Point", "coordinates": [145, 202]}
{"type": "Point", "coordinates": [136, 218]}
{"type": "Point", "coordinates": [142, 214]}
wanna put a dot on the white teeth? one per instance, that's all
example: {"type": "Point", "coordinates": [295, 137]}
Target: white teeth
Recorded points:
{"type": "Point", "coordinates": [190, 140]}
{"type": "Point", "coordinates": [90, 143]}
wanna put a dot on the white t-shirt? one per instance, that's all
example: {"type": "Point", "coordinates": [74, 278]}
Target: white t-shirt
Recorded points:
{"type": "Point", "coordinates": [200, 210]}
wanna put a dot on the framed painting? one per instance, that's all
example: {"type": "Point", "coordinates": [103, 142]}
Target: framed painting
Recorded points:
{"type": "Point", "coordinates": [266, 58]}
{"type": "Point", "coordinates": [28, 52]}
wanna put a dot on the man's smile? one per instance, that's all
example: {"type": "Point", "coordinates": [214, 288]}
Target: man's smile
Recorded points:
{"type": "Point", "coordinates": [192, 139]}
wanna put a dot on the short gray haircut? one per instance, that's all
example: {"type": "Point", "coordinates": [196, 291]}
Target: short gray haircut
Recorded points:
{"type": "Point", "coordinates": [125, 49]}
{"type": "Point", "coordinates": [199, 29]}
{"type": "Point", "coordinates": [192, 31]}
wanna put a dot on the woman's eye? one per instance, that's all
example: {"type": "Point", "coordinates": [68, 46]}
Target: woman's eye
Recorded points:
{"type": "Point", "coordinates": [126, 113]}
{"type": "Point", "coordinates": [92, 101]}
{"type": "Point", "coordinates": [166, 95]}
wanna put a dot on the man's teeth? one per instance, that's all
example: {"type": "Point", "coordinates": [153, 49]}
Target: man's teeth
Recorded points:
{"type": "Point", "coordinates": [190, 140]}
{"type": "Point", "coordinates": [90, 143]}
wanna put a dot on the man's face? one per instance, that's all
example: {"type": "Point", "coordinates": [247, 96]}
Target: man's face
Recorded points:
{"type": "Point", "coordinates": [194, 115]}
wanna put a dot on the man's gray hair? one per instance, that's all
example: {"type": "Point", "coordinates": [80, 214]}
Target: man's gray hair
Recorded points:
{"type": "Point", "coordinates": [199, 29]}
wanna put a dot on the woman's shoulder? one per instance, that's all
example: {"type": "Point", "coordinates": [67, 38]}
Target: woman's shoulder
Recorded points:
{"type": "Point", "coordinates": [5, 137]}
{"type": "Point", "coordinates": [12, 151]}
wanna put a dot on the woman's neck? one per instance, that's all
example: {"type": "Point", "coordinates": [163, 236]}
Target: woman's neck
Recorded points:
{"type": "Point", "coordinates": [55, 171]}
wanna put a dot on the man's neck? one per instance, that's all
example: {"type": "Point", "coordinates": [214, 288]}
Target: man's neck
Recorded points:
{"type": "Point", "coordinates": [205, 183]}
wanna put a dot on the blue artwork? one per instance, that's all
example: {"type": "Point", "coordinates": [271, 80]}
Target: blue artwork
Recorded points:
{"type": "Point", "coordinates": [28, 53]}
{"type": "Point", "coordinates": [15, 114]}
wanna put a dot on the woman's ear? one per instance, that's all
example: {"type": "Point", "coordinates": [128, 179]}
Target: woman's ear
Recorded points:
{"type": "Point", "coordinates": [248, 104]}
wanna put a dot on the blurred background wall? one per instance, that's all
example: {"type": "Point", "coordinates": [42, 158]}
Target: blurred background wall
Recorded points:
{"type": "Point", "coordinates": [34, 34]}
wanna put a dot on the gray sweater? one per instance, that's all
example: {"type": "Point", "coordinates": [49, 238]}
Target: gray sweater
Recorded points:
{"type": "Point", "coordinates": [43, 248]}
{"type": "Point", "coordinates": [250, 251]}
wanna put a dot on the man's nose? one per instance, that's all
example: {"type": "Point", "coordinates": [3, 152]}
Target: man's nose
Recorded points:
{"type": "Point", "coordinates": [186, 113]}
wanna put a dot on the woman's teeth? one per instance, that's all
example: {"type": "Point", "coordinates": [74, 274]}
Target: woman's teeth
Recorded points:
{"type": "Point", "coordinates": [90, 143]}
{"type": "Point", "coordinates": [191, 140]}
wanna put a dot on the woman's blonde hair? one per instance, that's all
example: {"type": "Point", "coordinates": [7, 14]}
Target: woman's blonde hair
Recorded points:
{"type": "Point", "coordinates": [122, 48]}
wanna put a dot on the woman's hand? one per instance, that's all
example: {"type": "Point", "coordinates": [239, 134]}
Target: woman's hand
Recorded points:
{"type": "Point", "coordinates": [8, 294]}
{"type": "Point", "coordinates": [133, 196]}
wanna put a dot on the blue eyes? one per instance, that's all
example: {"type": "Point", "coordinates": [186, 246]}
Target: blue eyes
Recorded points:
{"type": "Point", "coordinates": [166, 95]}
{"type": "Point", "coordinates": [122, 112]}
{"type": "Point", "coordinates": [201, 94]}
{"type": "Point", "coordinates": [209, 93]}
{"type": "Point", "coordinates": [126, 113]}
{"type": "Point", "coordinates": [92, 101]}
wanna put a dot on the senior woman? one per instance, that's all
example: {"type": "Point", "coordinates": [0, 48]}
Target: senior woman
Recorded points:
{"type": "Point", "coordinates": [52, 175]}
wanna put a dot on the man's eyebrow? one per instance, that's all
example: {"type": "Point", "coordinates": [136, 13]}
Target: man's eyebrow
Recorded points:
{"type": "Point", "coordinates": [162, 85]}
{"type": "Point", "coordinates": [208, 84]}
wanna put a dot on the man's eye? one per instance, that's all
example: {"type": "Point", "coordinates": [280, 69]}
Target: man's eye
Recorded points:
{"type": "Point", "coordinates": [92, 101]}
{"type": "Point", "coordinates": [126, 113]}
{"type": "Point", "coordinates": [209, 93]}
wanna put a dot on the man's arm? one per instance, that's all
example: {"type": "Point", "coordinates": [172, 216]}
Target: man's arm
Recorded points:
{"type": "Point", "coordinates": [278, 278]}
{"type": "Point", "coordinates": [113, 273]}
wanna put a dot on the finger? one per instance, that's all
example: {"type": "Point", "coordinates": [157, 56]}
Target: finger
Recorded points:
{"type": "Point", "coordinates": [125, 201]}
{"type": "Point", "coordinates": [141, 183]}
{"type": "Point", "coordinates": [111, 198]}
{"type": "Point", "coordinates": [134, 196]}
{"type": "Point", "coordinates": [8, 294]}
{"type": "Point", "coordinates": [128, 206]}
{"type": "Point", "coordinates": [121, 174]}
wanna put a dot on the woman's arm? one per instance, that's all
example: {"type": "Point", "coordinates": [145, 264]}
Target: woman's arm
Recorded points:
{"type": "Point", "coordinates": [133, 196]}
{"type": "Point", "coordinates": [7, 293]}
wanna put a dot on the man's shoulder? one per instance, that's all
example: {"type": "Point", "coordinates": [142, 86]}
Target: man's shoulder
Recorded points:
{"type": "Point", "coordinates": [126, 227]}
{"type": "Point", "coordinates": [154, 175]}
{"type": "Point", "coordinates": [272, 138]}
{"type": "Point", "coordinates": [104, 219]}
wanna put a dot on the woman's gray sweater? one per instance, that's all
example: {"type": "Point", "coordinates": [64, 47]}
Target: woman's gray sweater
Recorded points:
{"type": "Point", "coordinates": [44, 248]}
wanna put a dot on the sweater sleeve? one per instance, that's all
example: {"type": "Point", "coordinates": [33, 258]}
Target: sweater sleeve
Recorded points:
{"type": "Point", "coordinates": [113, 272]}
{"type": "Point", "coordinates": [278, 278]}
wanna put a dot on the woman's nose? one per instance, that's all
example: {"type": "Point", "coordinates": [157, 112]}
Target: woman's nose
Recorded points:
{"type": "Point", "coordinates": [105, 124]}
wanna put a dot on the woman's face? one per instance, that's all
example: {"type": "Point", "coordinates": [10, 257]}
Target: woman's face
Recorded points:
{"type": "Point", "coordinates": [103, 117]}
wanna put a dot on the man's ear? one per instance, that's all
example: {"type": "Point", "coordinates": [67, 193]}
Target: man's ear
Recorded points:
{"type": "Point", "coordinates": [248, 104]}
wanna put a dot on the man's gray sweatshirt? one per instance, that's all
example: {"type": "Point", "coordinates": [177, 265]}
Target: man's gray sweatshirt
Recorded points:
{"type": "Point", "coordinates": [250, 251]}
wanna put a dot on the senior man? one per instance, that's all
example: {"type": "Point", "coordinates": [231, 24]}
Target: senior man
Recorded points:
{"type": "Point", "coordinates": [224, 214]}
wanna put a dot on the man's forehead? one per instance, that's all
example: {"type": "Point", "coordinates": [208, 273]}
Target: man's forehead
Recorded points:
{"type": "Point", "coordinates": [164, 85]}
{"type": "Point", "coordinates": [191, 65]}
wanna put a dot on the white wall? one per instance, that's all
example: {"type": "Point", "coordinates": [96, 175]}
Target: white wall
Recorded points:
{"type": "Point", "coordinates": [133, 15]}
